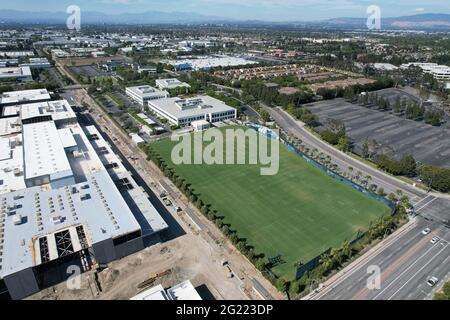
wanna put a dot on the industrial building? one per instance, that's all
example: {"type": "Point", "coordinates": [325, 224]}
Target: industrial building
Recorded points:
{"type": "Point", "coordinates": [37, 63]}
{"type": "Point", "coordinates": [65, 199]}
{"type": "Point", "coordinates": [26, 96]}
{"type": "Point", "coordinates": [16, 73]}
{"type": "Point", "coordinates": [183, 112]}
{"type": "Point", "coordinates": [143, 94]}
{"type": "Point", "coordinates": [167, 84]}
{"type": "Point", "coordinates": [208, 62]}
{"type": "Point", "coordinates": [439, 72]}
{"type": "Point", "coordinates": [182, 291]}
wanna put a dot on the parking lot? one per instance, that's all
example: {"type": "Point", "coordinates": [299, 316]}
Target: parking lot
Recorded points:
{"type": "Point", "coordinates": [88, 71]}
{"type": "Point", "coordinates": [428, 144]}
{"type": "Point", "coordinates": [392, 94]}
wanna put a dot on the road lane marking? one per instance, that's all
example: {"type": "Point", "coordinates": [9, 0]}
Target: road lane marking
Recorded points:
{"type": "Point", "coordinates": [402, 259]}
{"type": "Point", "coordinates": [358, 264]}
{"type": "Point", "coordinates": [423, 199]}
{"type": "Point", "coordinates": [420, 270]}
{"type": "Point", "coordinates": [404, 271]}
{"type": "Point", "coordinates": [426, 204]}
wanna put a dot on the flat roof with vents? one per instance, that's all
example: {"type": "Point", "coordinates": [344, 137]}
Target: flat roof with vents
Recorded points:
{"type": "Point", "coordinates": [171, 83]}
{"type": "Point", "coordinates": [183, 108]}
{"type": "Point", "coordinates": [11, 164]}
{"type": "Point", "coordinates": [44, 152]}
{"type": "Point", "coordinates": [25, 96]}
{"type": "Point", "coordinates": [146, 91]}
{"type": "Point", "coordinates": [96, 204]}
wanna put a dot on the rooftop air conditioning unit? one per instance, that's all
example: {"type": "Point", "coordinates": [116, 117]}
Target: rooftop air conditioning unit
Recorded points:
{"type": "Point", "coordinates": [57, 219]}
{"type": "Point", "coordinates": [78, 154]}
{"type": "Point", "coordinates": [17, 220]}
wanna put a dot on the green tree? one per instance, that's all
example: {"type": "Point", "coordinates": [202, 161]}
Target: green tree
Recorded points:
{"type": "Point", "coordinates": [281, 285]}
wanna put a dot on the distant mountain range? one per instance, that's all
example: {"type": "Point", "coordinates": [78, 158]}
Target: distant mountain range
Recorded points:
{"type": "Point", "coordinates": [418, 22]}
{"type": "Point", "coordinates": [91, 17]}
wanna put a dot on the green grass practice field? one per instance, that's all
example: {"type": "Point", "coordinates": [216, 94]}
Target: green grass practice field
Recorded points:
{"type": "Point", "coordinates": [298, 213]}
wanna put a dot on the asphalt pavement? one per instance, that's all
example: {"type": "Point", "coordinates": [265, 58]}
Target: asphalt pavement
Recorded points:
{"type": "Point", "coordinates": [389, 183]}
{"type": "Point", "coordinates": [406, 264]}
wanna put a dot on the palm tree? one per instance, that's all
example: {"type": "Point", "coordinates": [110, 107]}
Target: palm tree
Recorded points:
{"type": "Point", "coordinates": [350, 169]}
{"type": "Point", "coordinates": [326, 261]}
{"type": "Point", "coordinates": [346, 249]}
{"type": "Point", "coordinates": [358, 175]}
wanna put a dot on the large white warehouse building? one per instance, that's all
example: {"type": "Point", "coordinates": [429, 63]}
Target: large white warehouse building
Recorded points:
{"type": "Point", "coordinates": [65, 198]}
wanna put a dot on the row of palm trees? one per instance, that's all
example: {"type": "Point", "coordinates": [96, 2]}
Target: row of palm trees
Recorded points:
{"type": "Point", "coordinates": [357, 177]}
{"type": "Point", "coordinates": [335, 257]}
{"type": "Point", "coordinates": [326, 161]}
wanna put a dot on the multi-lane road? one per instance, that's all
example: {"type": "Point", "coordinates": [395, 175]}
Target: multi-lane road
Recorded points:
{"type": "Point", "coordinates": [405, 260]}
{"type": "Point", "coordinates": [297, 128]}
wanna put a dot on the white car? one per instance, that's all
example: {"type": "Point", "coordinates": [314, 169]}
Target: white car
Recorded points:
{"type": "Point", "coordinates": [432, 281]}
{"type": "Point", "coordinates": [426, 231]}
{"type": "Point", "coordinates": [434, 240]}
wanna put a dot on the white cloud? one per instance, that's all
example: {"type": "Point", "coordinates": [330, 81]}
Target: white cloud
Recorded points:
{"type": "Point", "coordinates": [419, 10]}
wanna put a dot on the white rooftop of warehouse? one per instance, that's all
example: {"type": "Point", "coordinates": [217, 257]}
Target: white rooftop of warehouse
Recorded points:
{"type": "Point", "coordinates": [10, 125]}
{"type": "Point", "coordinates": [146, 91]}
{"type": "Point", "coordinates": [153, 294]}
{"type": "Point", "coordinates": [148, 217]}
{"type": "Point", "coordinates": [16, 54]}
{"type": "Point", "coordinates": [44, 151]}
{"type": "Point", "coordinates": [10, 72]}
{"type": "Point", "coordinates": [11, 164]}
{"type": "Point", "coordinates": [91, 199]}
{"type": "Point", "coordinates": [171, 83]}
{"type": "Point", "coordinates": [180, 108]}
{"type": "Point", "coordinates": [385, 66]}
{"type": "Point", "coordinates": [207, 62]}
{"type": "Point", "coordinates": [25, 96]}
{"type": "Point", "coordinates": [96, 204]}
{"type": "Point", "coordinates": [59, 110]}
{"type": "Point", "coordinates": [182, 291]}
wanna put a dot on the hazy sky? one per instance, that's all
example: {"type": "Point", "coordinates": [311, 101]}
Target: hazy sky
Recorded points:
{"type": "Point", "coordinates": [244, 9]}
